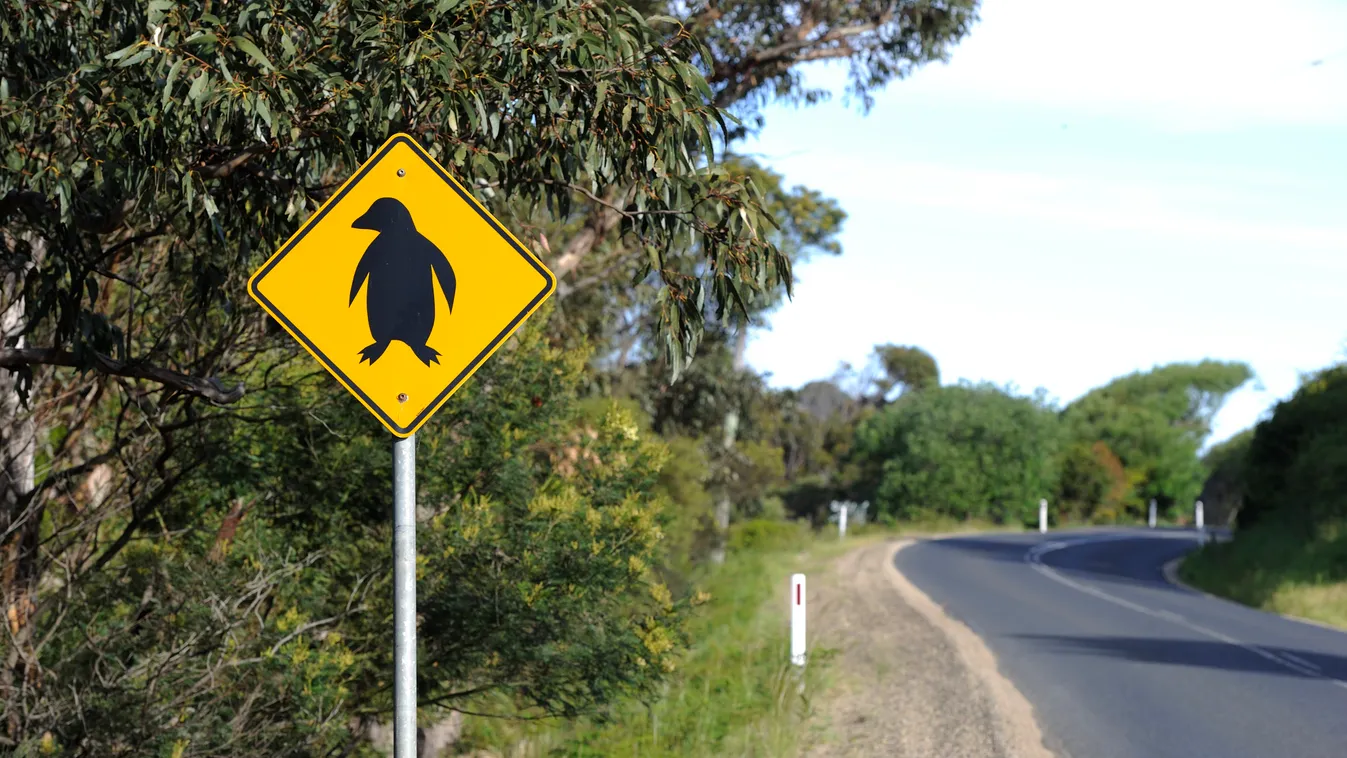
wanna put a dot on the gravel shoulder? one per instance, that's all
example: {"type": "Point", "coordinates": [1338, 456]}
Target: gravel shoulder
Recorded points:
{"type": "Point", "coordinates": [910, 681]}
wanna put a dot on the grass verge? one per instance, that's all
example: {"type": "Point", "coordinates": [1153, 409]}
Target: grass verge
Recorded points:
{"type": "Point", "coordinates": [735, 693]}
{"type": "Point", "coordinates": [1278, 568]}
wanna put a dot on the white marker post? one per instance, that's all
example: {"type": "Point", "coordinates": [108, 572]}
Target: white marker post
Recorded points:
{"type": "Point", "coordinates": [842, 520]}
{"type": "Point", "coordinates": [1151, 521]}
{"type": "Point", "coordinates": [797, 638]}
{"type": "Point", "coordinates": [404, 597]}
{"type": "Point", "coordinates": [1043, 516]}
{"type": "Point", "coordinates": [1198, 520]}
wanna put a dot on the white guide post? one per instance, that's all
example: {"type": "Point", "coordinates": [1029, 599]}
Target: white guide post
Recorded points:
{"type": "Point", "coordinates": [797, 619]}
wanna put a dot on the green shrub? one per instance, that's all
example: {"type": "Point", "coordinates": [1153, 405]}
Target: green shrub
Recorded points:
{"type": "Point", "coordinates": [1297, 460]}
{"type": "Point", "coordinates": [967, 451]}
{"type": "Point", "coordinates": [762, 534]}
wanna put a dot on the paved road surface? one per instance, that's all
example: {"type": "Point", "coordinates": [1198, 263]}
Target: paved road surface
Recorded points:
{"type": "Point", "coordinates": [1119, 663]}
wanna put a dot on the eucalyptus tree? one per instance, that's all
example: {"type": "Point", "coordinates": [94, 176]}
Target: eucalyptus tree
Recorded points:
{"type": "Point", "coordinates": [151, 154]}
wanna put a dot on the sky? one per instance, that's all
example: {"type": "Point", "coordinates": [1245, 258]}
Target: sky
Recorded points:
{"type": "Point", "coordinates": [1085, 190]}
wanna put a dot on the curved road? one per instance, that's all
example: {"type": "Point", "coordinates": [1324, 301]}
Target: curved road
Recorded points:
{"type": "Point", "coordinates": [1120, 663]}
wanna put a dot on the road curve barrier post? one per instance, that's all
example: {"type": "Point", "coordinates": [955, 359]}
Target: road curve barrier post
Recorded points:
{"type": "Point", "coordinates": [1151, 519]}
{"type": "Point", "coordinates": [1198, 521]}
{"type": "Point", "coordinates": [1043, 516]}
{"type": "Point", "coordinates": [843, 511]}
{"type": "Point", "coordinates": [797, 620]}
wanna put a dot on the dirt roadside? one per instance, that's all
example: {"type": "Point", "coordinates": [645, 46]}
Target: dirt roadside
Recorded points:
{"type": "Point", "coordinates": [911, 681]}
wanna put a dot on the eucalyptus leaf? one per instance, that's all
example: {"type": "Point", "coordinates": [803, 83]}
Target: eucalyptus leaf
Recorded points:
{"type": "Point", "coordinates": [247, 46]}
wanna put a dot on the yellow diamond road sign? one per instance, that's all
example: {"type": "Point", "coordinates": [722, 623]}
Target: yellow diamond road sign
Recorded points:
{"type": "Point", "coordinates": [401, 285]}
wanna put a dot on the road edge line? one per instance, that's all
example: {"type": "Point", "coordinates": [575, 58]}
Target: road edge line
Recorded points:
{"type": "Point", "coordinates": [1021, 735]}
{"type": "Point", "coordinates": [1171, 573]}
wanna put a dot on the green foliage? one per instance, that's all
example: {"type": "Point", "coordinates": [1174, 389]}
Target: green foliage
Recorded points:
{"type": "Point", "coordinates": [1093, 484]}
{"type": "Point", "coordinates": [1296, 465]}
{"type": "Point", "coordinates": [180, 128]}
{"type": "Point", "coordinates": [1279, 566]}
{"type": "Point", "coordinates": [1188, 395]}
{"type": "Point", "coordinates": [910, 369]}
{"type": "Point", "coordinates": [733, 693]}
{"type": "Point", "coordinates": [539, 539]}
{"type": "Point", "coordinates": [967, 451]}
{"type": "Point", "coordinates": [1226, 465]}
{"type": "Point", "coordinates": [763, 534]}
{"type": "Point", "coordinates": [218, 567]}
{"type": "Point", "coordinates": [758, 471]}
{"type": "Point", "coordinates": [684, 482]}
{"type": "Point", "coordinates": [1155, 422]}
{"type": "Point", "coordinates": [808, 497]}
{"type": "Point", "coordinates": [171, 624]}
{"type": "Point", "coordinates": [1285, 482]}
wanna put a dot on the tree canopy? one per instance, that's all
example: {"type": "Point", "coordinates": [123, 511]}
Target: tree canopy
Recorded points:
{"type": "Point", "coordinates": [966, 451]}
{"type": "Point", "coordinates": [194, 517]}
{"type": "Point", "coordinates": [1295, 467]}
{"type": "Point", "coordinates": [1153, 423]}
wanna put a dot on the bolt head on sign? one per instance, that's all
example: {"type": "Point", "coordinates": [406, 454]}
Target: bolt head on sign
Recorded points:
{"type": "Point", "coordinates": [401, 285]}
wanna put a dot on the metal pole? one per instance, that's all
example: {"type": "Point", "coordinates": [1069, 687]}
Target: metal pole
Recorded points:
{"type": "Point", "coordinates": [404, 598]}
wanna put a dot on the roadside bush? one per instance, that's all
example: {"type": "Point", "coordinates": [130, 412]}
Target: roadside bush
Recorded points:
{"type": "Point", "coordinates": [1223, 492]}
{"type": "Point", "coordinates": [764, 535]}
{"type": "Point", "coordinates": [1297, 461]}
{"type": "Point", "coordinates": [965, 451]}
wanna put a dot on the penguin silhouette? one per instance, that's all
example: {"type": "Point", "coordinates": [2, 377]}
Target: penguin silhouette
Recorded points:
{"type": "Point", "coordinates": [400, 301]}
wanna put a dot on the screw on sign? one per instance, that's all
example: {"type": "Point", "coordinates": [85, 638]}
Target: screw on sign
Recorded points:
{"type": "Point", "coordinates": [402, 285]}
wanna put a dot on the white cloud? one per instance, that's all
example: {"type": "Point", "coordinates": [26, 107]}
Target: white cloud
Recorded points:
{"type": "Point", "coordinates": [1179, 64]}
{"type": "Point", "coordinates": [1012, 254]}
{"type": "Point", "coordinates": [1197, 210]}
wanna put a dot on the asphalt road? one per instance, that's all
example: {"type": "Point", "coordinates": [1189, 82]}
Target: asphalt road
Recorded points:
{"type": "Point", "coordinates": [1119, 663]}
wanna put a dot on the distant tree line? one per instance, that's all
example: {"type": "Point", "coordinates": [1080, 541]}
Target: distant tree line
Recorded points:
{"type": "Point", "coordinates": [977, 451]}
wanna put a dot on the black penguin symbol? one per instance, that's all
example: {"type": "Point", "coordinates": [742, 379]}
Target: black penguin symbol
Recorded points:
{"type": "Point", "coordinates": [400, 302]}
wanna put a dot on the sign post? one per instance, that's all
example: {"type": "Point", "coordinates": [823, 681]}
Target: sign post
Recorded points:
{"type": "Point", "coordinates": [404, 597]}
{"type": "Point", "coordinates": [402, 285]}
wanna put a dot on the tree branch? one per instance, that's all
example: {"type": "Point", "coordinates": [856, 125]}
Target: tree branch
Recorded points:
{"type": "Point", "coordinates": [225, 168]}
{"type": "Point", "coordinates": [786, 50]}
{"type": "Point", "coordinates": [210, 389]}
{"type": "Point", "coordinates": [600, 222]}
{"type": "Point", "coordinates": [748, 73]}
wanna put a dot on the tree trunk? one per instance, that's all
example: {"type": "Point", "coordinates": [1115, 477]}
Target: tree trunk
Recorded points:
{"type": "Point", "coordinates": [19, 518]}
{"type": "Point", "coordinates": [723, 504]}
